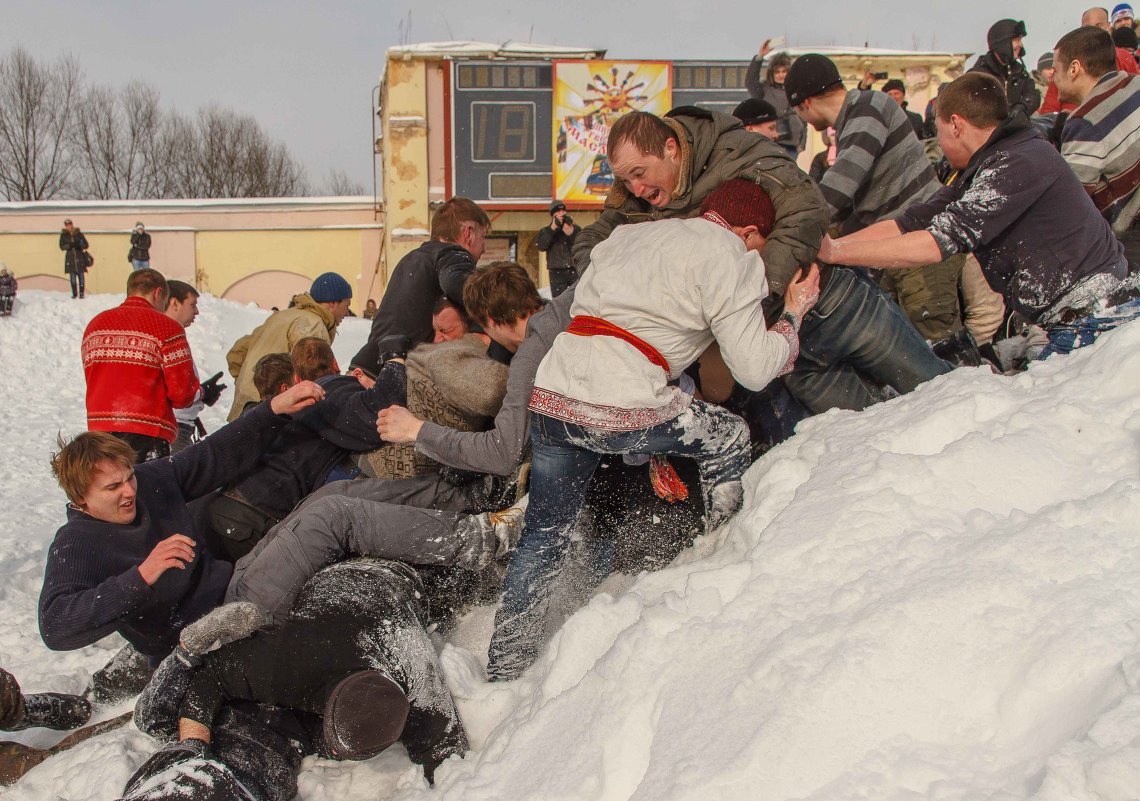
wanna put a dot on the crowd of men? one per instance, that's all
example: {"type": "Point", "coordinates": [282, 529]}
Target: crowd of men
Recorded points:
{"type": "Point", "coordinates": [279, 577]}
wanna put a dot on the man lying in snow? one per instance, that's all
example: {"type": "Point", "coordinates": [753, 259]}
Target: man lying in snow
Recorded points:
{"type": "Point", "coordinates": [1017, 206]}
{"type": "Point", "coordinates": [131, 557]}
{"type": "Point", "coordinates": [655, 297]}
{"type": "Point", "coordinates": [352, 668]}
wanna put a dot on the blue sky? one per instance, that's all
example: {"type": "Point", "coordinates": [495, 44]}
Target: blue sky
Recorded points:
{"type": "Point", "coordinates": [306, 70]}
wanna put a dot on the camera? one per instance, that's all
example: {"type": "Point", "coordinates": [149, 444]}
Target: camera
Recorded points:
{"type": "Point", "coordinates": [567, 219]}
{"type": "Point", "coordinates": [882, 76]}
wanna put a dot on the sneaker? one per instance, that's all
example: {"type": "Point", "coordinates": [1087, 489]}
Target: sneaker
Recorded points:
{"type": "Point", "coordinates": [58, 711]}
{"type": "Point", "coordinates": [507, 524]}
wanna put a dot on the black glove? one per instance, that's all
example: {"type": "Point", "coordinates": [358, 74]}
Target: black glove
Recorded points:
{"type": "Point", "coordinates": [166, 757]}
{"type": "Point", "coordinates": [212, 390]}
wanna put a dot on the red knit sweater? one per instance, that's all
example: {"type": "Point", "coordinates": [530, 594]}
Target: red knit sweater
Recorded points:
{"type": "Point", "coordinates": [138, 368]}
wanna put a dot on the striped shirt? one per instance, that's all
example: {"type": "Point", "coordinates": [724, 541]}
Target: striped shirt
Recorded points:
{"type": "Point", "coordinates": [1101, 140]}
{"type": "Point", "coordinates": [880, 166]}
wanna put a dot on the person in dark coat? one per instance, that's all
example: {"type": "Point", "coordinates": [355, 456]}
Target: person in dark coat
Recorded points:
{"type": "Point", "coordinates": [131, 556]}
{"type": "Point", "coordinates": [1003, 61]}
{"type": "Point", "coordinates": [139, 255]}
{"type": "Point", "coordinates": [76, 259]}
{"type": "Point", "coordinates": [557, 241]}
{"type": "Point", "coordinates": [8, 287]}
{"type": "Point", "coordinates": [353, 663]}
{"type": "Point", "coordinates": [436, 269]}
{"type": "Point", "coordinates": [897, 90]}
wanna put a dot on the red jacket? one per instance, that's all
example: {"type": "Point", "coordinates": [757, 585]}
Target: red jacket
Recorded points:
{"type": "Point", "coordinates": [1125, 62]}
{"type": "Point", "coordinates": [138, 368]}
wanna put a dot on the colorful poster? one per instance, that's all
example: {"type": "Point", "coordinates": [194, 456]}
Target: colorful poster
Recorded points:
{"type": "Point", "coordinates": [589, 96]}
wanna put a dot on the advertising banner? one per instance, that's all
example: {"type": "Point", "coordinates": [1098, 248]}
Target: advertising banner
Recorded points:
{"type": "Point", "coordinates": [589, 97]}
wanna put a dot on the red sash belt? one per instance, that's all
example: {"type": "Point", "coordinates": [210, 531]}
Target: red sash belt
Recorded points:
{"type": "Point", "coordinates": [585, 326]}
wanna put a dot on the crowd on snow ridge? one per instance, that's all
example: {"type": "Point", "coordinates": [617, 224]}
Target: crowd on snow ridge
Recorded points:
{"type": "Point", "coordinates": [276, 579]}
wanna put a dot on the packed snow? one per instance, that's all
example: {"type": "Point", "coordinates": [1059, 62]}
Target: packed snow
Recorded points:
{"type": "Point", "coordinates": [936, 598]}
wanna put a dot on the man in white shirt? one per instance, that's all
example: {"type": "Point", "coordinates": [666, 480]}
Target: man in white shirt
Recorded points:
{"type": "Point", "coordinates": [655, 297]}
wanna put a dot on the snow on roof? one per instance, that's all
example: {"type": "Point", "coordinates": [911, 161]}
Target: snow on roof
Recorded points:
{"type": "Point", "coordinates": [489, 50]}
{"type": "Point", "coordinates": [870, 52]}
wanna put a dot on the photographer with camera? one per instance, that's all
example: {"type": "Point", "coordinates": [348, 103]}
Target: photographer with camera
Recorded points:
{"type": "Point", "coordinates": [556, 241]}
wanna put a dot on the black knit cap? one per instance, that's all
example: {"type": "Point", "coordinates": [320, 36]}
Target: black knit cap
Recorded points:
{"type": "Point", "coordinates": [754, 112]}
{"type": "Point", "coordinates": [1003, 31]}
{"type": "Point", "coordinates": [810, 75]}
{"type": "Point", "coordinates": [894, 83]}
{"type": "Point", "coordinates": [556, 205]}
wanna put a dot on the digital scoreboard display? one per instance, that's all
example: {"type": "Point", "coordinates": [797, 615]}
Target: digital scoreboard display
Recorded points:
{"type": "Point", "coordinates": [502, 117]}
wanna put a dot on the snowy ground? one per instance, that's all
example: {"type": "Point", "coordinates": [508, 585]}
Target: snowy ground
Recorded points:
{"type": "Point", "coordinates": [938, 598]}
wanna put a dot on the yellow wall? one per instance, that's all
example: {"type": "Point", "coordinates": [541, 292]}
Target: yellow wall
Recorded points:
{"type": "Point", "coordinates": [31, 254]}
{"type": "Point", "coordinates": [225, 257]}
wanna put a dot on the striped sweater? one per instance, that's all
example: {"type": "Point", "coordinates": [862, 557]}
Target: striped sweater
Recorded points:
{"type": "Point", "coordinates": [880, 166]}
{"type": "Point", "coordinates": [1101, 140]}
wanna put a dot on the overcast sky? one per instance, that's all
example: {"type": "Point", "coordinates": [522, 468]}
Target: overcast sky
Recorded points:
{"type": "Point", "coordinates": [306, 70]}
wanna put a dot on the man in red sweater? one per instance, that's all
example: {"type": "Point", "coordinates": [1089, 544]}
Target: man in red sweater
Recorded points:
{"type": "Point", "coordinates": [138, 368]}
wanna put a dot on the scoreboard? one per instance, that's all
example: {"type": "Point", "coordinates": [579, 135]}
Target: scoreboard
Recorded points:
{"type": "Point", "coordinates": [502, 117]}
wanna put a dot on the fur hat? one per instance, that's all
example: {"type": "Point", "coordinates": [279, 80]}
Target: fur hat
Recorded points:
{"type": "Point", "coordinates": [810, 75]}
{"type": "Point", "coordinates": [740, 202]}
{"type": "Point", "coordinates": [330, 288]}
{"type": "Point", "coordinates": [754, 112]}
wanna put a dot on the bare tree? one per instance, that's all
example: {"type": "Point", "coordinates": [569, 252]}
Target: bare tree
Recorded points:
{"type": "Point", "coordinates": [339, 184]}
{"type": "Point", "coordinates": [36, 110]}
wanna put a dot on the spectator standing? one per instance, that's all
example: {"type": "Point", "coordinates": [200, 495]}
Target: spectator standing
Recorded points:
{"type": "Point", "coordinates": [76, 259]}
{"type": "Point", "coordinates": [437, 268]}
{"type": "Point", "coordinates": [1123, 17]}
{"type": "Point", "coordinates": [369, 309]}
{"type": "Point", "coordinates": [315, 313]}
{"type": "Point", "coordinates": [1101, 139]}
{"type": "Point", "coordinates": [1003, 61]}
{"type": "Point", "coordinates": [792, 132]}
{"type": "Point", "coordinates": [896, 89]}
{"type": "Point", "coordinates": [182, 307]}
{"type": "Point", "coordinates": [139, 255]}
{"type": "Point", "coordinates": [1125, 62]}
{"type": "Point", "coordinates": [557, 241]}
{"type": "Point", "coordinates": [8, 287]}
{"type": "Point", "coordinates": [138, 368]}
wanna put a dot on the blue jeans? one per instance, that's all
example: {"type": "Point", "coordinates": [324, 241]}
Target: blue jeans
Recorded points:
{"type": "Point", "coordinates": [78, 283]}
{"type": "Point", "coordinates": [1066, 338]}
{"type": "Point", "coordinates": [139, 264]}
{"type": "Point", "coordinates": [564, 457]}
{"type": "Point", "coordinates": [856, 333]}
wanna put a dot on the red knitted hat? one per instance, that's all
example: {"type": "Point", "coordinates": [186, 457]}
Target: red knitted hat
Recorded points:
{"type": "Point", "coordinates": [739, 203]}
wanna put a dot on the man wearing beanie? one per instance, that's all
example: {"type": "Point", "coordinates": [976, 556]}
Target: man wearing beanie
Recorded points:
{"type": "Point", "coordinates": [315, 313]}
{"type": "Point", "coordinates": [759, 116]}
{"type": "Point", "coordinates": [896, 90]}
{"type": "Point", "coordinates": [1122, 16]}
{"type": "Point", "coordinates": [654, 299]}
{"type": "Point", "coordinates": [1003, 61]}
{"type": "Point", "coordinates": [880, 168]}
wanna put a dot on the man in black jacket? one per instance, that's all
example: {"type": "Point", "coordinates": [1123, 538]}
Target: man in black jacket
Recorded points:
{"type": "Point", "coordinates": [130, 558]}
{"type": "Point", "coordinates": [1014, 203]}
{"type": "Point", "coordinates": [308, 448]}
{"type": "Point", "coordinates": [436, 269]}
{"type": "Point", "coordinates": [557, 241]}
{"type": "Point", "coordinates": [1003, 61]}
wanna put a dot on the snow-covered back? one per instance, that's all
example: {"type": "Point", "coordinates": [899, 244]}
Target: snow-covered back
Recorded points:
{"type": "Point", "coordinates": [937, 598]}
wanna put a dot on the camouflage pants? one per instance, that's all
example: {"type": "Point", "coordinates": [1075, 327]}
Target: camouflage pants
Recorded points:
{"type": "Point", "coordinates": [929, 296]}
{"type": "Point", "coordinates": [11, 701]}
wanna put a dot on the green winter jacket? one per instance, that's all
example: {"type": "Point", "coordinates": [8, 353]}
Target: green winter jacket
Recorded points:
{"type": "Point", "coordinates": [714, 148]}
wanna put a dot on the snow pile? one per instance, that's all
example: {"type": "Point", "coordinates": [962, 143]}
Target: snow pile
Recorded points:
{"type": "Point", "coordinates": [936, 598]}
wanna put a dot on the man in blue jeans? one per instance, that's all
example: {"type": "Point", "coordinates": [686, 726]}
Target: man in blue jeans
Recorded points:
{"type": "Point", "coordinates": [656, 296]}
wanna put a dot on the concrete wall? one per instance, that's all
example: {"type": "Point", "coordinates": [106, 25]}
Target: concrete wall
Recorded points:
{"type": "Point", "coordinates": [260, 251]}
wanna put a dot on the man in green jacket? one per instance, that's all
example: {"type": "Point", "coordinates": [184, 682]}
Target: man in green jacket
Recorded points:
{"type": "Point", "coordinates": [315, 313]}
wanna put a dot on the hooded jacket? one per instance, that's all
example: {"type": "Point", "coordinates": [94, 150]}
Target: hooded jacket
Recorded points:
{"type": "Point", "coordinates": [278, 334]}
{"type": "Point", "coordinates": [714, 148]}
{"type": "Point", "coordinates": [1005, 65]}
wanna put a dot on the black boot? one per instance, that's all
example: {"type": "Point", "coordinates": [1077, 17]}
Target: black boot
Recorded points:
{"type": "Point", "coordinates": [54, 711]}
{"type": "Point", "coordinates": [959, 349]}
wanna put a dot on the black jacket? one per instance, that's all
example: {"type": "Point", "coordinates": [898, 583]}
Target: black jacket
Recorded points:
{"type": "Point", "coordinates": [319, 438]}
{"type": "Point", "coordinates": [1020, 209]}
{"type": "Point", "coordinates": [92, 586]}
{"type": "Point", "coordinates": [432, 271]}
{"type": "Point", "coordinates": [1020, 88]}
{"type": "Point", "coordinates": [73, 245]}
{"type": "Point", "coordinates": [140, 247]}
{"type": "Point", "coordinates": [557, 246]}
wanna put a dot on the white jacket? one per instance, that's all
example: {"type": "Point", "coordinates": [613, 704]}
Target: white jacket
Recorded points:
{"type": "Point", "coordinates": [677, 285]}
